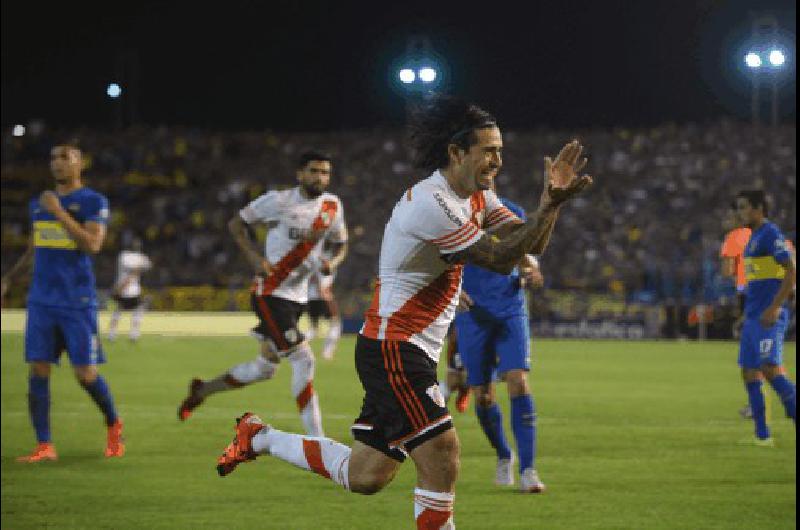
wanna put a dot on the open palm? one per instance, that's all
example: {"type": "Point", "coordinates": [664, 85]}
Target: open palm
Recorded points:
{"type": "Point", "coordinates": [562, 174]}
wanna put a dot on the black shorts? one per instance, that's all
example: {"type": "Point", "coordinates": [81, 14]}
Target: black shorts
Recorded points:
{"type": "Point", "coordinates": [319, 309]}
{"type": "Point", "coordinates": [403, 406]}
{"type": "Point", "coordinates": [277, 321]}
{"type": "Point", "coordinates": [127, 303]}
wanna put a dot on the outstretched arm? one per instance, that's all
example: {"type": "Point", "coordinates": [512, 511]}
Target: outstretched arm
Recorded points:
{"type": "Point", "coordinates": [502, 251]}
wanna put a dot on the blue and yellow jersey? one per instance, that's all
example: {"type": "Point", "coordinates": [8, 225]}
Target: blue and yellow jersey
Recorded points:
{"type": "Point", "coordinates": [765, 255]}
{"type": "Point", "coordinates": [495, 295]}
{"type": "Point", "coordinates": [62, 273]}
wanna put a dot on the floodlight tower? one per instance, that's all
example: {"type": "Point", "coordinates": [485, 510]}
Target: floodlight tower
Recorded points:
{"type": "Point", "coordinates": [766, 57]}
{"type": "Point", "coordinates": [419, 72]}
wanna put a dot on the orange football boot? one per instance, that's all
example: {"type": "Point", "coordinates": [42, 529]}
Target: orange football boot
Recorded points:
{"type": "Point", "coordinates": [462, 400]}
{"type": "Point", "coordinates": [191, 402]}
{"type": "Point", "coordinates": [240, 449]}
{"type": "Point", "coordinates": [44, 451]}
{"type": "Point", "coordinates": [115, 443]}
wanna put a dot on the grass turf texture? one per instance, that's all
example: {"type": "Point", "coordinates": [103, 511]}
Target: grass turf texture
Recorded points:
{"type": "Point", "coordinates": [631, 435]}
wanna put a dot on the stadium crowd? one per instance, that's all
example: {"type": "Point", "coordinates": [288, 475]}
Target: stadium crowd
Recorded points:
{"type": "Point", "coordinates": [649, 230]}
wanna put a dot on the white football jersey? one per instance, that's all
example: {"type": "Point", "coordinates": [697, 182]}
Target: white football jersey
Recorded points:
{"type": "Point", "coordinates": [130, 266]}
{"type": "Point", "coordinates": [291, 218]}
{"type": "Point", "coordinates": [417, 291]}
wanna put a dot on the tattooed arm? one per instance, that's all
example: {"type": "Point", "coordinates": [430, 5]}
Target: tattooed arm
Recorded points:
{"type": "Point", "coordinates": [502, 251]}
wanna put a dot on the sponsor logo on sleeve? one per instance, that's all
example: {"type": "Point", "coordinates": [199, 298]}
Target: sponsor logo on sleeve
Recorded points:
{"type": "Point", "coordinates": [447, 211]}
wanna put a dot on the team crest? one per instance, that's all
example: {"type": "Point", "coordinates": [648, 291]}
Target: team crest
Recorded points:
{"type": "Point", "coordinates": [326, 218]}
{"type": "Point", "coordinates": [435, 394]}
{"type": "Point", "coordinates": [291, 335]}
{"type": "Point", "coordinates": [74, 207]}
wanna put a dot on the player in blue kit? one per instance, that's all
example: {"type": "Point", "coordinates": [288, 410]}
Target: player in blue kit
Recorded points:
{"type": "Point", "coordinates": [69, 225]}
{"type": "Point", "coordinates": [770, 271]}
{"type": "Point", "coordinates": [494, 339]}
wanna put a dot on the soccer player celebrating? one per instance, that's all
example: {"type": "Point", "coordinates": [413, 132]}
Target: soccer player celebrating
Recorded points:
{"type": "Point", "coordinates": [770, 270]}
{"type": "Point", "coordinates": [127, 291]}
{"type": "Point", "coordinates": [69, 225]}
{"type": "Point", "coordinates": [299, 219]}
{"type": "Point", "coordinates": [321, 301]}
{"type": "Point", "coordinates": [436, 226]}
{"type": "Point", "coordinates": [494, 340]}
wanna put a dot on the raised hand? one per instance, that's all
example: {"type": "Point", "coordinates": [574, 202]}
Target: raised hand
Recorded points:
{"type": "Point", "coordinates": [561, 175]}
{"type": "Point", "coordinates": [49, 201]}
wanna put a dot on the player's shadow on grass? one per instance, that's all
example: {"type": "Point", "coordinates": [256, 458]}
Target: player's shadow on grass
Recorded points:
{"type": "Point", "coordinates": [62, 462]}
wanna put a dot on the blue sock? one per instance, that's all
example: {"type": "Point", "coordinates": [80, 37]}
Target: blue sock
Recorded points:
{"type": "Point", "coordinates": [39, 406]}
{"type": "Point", "coordinates": [759, 410]}
{"type": "Point", "coordinates": [523, 422]}
{"type": "Point", "coordinates": [491, 420]}
{"type": "Point", "coordinates": [786, 391]}
{"type": "Point", "coordinates": [102, 396]}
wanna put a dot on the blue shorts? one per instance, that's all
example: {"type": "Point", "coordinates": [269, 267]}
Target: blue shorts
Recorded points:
{"type": "Point", "coordinates": [760, 345]}
{"type": "Point", "coordinates": [50, 330]}
{"type": "Point", "coordinates": [489, 346]}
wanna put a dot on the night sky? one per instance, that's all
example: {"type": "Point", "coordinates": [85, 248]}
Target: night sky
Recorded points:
{"type": "Point", "coordinates": [294, 65]}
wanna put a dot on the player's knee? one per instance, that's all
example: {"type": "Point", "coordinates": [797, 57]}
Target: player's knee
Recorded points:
{"type": "Point", "coordinates": [86, 375]}
{"type": "Point", "coordinates": [258, 369]}
{"type": "Point", "coordinates": [444, 457]}
{"type": "Point", "coordinates": [517, 381]}
{"type": "Point", "coordinates": [771, 371]}
{"type": "Point", "coordinates": [750, 375]}
{"type": "Point", "coordinates": [369, 483]}
{"type": "Point", "coordinates": [40, 369]}
{"type": "Point", "coordinates": [484, 397]}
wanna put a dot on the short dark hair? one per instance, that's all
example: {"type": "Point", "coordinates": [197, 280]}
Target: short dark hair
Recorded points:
{"type": "Point", "coordinates": [756, 199]}
{"type": "Point", "coordinates": [442, 120]}
{"type": "Point", "coordinates": [312, 156]}
{"type": "Point", "coordinates": [72, 142]}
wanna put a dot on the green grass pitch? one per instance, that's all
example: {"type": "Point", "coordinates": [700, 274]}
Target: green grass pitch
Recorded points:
{"type": "Point", "coordinates": [637, 435]}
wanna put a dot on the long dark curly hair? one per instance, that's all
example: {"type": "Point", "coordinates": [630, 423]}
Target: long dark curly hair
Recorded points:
{"type": "Point", "coordinates": [439, 121]}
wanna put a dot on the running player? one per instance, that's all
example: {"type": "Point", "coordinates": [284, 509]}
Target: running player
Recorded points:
{"type": "Point", "coordinates": [69, 225]}
{"type": "Point", "coordinates": [298, 219]}
{"type": "Point", "coordinates": [127, 291]}
{"type": "Point", "coordinates": [436, 226]}
{"type": "Point", "coordinates": [770, 270]}
{"type": "Point", "coordinates": [321, 301]}
{"type": "Point", "coordinates": [494, 341]}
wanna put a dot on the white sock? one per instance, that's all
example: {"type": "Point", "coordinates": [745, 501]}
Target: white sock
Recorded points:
{"type": "Point", "coordinates": [302, 361]}
{"type": "Point", "coordinates": [433, 510]}
{"type": "Point", "coordinates": [112, 326]}
{"type": "Point", "coordinates": [136, 322]}
{"type": "Point", "coordinates": [323, 456]}
{"type": "Point", "coordinates": [445, 390]}
{"type": "Point", "coordinates": [334, 332]}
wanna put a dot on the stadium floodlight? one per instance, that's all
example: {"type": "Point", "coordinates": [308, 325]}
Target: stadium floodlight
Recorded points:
{"type": "Point", "coordinates": [427, 74]}
{"type": "Point", "coordinates": [777, 58]}
{"type": "Point", "coordinates": [114, 90]}
{"type": "Point", "coordinates": [752, 60]}
{"type": "Point", "coordinates": [18, 130]}
{"type": "Point", "coordinates": [407, 76]}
